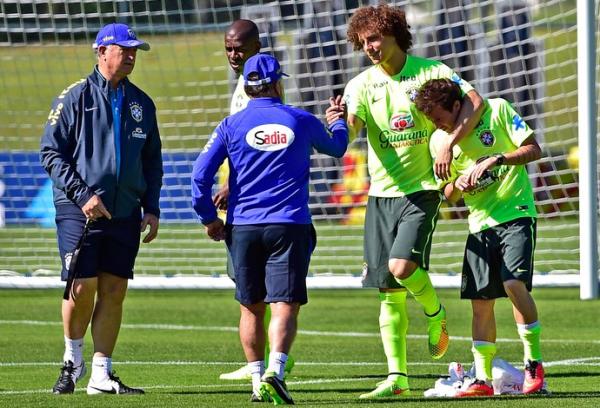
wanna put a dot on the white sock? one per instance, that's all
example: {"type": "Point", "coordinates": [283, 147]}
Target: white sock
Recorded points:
{"type": "Point", "coordinates": [522, 327]}
{"type": "Point", "coordinates": [257, 369]}
{"type": "Point", "coordinates": [277, 363]}
{"type": "Point", "coordinates": [101, 368]}
{"type": "Point", "coordinates": [73, 351]}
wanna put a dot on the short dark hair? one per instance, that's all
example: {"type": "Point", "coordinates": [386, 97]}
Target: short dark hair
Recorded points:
{"type": "Point", "coordinates": [258, 91]}
{"type": "Point", "coordinates": [381, 19]}
{"type": "Point", "coordinates": [438, 92]}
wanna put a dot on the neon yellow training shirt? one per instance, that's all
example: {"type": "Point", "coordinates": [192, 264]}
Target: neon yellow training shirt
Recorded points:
{"type": "Point", "coordinates": [397, 132]}
{"type": "Point", "coordinates": [239, 99]}
{"type": "Point", "coordinates": [506, 193]}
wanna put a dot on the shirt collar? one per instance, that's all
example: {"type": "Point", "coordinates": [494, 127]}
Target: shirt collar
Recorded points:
{"type": "Point", "coordinates": [103, 83]}
{"type": "Point", "coordinates": [261, 102]}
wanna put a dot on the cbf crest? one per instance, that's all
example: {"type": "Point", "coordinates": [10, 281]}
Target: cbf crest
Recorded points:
{"type": "Point", "coordinates": [412, 94]}
{"type": "Point", "coordinates": [136, 111]}
{"type": "Point", "coordinates": [68, 258]}
{"type": "Point", "coordinates": [487, 138]}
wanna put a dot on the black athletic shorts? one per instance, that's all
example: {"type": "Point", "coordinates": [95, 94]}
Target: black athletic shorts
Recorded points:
{"type": "Point", "coordinates": [498, 254]}
{"type": "Point", "coordinates": [110, 246]}
{"type": "Point", "coordinates": [398, 227]}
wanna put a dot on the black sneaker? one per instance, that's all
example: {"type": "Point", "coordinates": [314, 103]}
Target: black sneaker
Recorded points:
{"type": "Point", "coordinates": [275, 389]}
{"type": "Point", "coordinates": [111, 385]}
{"type": "Point", "coordinates": [65, 383]}
{"type": "Point", "coordinates": [256, 398]}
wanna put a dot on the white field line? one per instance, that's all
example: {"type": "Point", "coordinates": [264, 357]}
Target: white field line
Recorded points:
{"type": "Point", "coordinates": [590, 361]}
{"type": "Point", "coordinates": [587, 361]}
{"type": "Point", "coordinates": [177, 327]}
{"type": "Point", "coordinates": [226, 385]}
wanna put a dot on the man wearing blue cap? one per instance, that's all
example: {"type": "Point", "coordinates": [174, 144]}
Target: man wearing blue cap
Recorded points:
{"type": "Point", "coordinates": [241, 41]}
{"type": "Point", "coordinates": [102, 150]}
{"type": "Point", "coordinates": [268, 232]}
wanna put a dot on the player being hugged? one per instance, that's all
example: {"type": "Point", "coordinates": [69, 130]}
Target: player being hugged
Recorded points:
{"type": "Point", "coordinates": [404, 198]}
{"type": "Point", "coordinates": [489, 172]}
{"type": "Point", "coordinates": [268, 230]}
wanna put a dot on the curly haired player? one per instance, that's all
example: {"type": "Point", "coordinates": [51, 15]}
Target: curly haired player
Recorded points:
{"type": "Point", "coordinates": [404, 197]}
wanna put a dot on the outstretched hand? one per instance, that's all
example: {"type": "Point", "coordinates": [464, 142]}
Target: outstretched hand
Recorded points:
{"type": "Point", "coordinates": [336, 109]}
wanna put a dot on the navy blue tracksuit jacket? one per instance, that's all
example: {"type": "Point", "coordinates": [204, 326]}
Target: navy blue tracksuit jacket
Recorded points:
{"type": "Point", "coordinates": [78, 149]}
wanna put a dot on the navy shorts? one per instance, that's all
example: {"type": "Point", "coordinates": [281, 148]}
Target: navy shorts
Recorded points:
{"type": "Point", "coordinates": [271, 261]}
{"type": "Point", "coordinates": [110, 246]}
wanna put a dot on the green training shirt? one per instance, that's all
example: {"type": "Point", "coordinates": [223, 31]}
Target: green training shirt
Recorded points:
{"type": "Point", "coordinates": [505, 193]}
{"type": "Point", "coordinates": [397, 132]}
{"type": "Point", "coordinates": [239, 99]}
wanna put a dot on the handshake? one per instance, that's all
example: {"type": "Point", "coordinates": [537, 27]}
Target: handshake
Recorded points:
{"type": "Point", "coordinates": [336, 109]}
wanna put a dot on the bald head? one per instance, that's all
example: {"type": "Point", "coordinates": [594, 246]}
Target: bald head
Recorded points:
{"type": "Point", "coordinates": [245, 30]}
{"type": "Point", "coordinates": [241, 42]}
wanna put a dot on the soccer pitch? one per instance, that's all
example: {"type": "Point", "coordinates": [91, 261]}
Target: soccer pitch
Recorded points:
{"type": "Point", "coordinates": [175, 344]}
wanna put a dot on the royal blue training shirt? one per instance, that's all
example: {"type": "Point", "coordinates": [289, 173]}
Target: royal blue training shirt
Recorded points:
{"type": "Point", "coordinates": [268, 146]}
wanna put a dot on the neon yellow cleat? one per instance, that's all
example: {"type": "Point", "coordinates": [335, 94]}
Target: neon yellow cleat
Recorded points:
{"type": "Point", "coordinates": [274, 389]}
{"type": "Point", "coordinates": [289, 365]}
{"type": "Point", "coordinates": [386, 389]}
{"type": "Point", "coordinates": [241, 374]}
{"type": "Point", "coordinates": [438, 334]}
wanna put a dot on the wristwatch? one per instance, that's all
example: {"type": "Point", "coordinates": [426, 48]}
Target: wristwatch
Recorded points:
{"type": "Point", "coordinates": [499, 159]}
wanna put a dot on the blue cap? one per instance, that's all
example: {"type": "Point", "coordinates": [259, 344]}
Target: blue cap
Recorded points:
{"type": "Point", "coordinates": [266, 66]}
{"type": "Point", "coordinates": [119, 34]}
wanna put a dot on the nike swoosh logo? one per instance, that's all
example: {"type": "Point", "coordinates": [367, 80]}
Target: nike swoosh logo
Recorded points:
{"type": "Point", "coordinates": [111, 391]}
{"type": "Point", "coordinates": [415, 252]}
{"type": "Point", "coordinates": [376, 99]}
{"type": "Point", "coordinates": [91, 109]}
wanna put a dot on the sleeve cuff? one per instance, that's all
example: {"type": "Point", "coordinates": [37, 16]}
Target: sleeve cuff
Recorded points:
{"type": "Point", "coordinates": [85, 197]}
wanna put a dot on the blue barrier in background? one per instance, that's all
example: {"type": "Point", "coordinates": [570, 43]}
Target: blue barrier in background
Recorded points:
{"type": "Point", "coordinates": [26, 195]}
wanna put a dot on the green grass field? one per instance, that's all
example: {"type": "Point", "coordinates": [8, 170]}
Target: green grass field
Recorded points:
{"type": "Point", "coordinates": [175, 343]}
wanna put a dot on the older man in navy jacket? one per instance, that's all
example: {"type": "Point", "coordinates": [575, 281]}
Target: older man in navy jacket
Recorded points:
{"type": "Point", "coordinates": [102, 150]}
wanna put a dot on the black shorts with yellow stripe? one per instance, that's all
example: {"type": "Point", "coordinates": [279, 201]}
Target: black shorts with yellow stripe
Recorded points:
{"type": "Point", "coordinates": [496, 255]}
{"type": "Point", "coordinates": [401, 228]}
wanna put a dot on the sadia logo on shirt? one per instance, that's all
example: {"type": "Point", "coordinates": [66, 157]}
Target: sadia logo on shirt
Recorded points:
{"type": "Point", "coordinates": [401, 121]}
{"type": "Point", "coordinates": [270, 137]}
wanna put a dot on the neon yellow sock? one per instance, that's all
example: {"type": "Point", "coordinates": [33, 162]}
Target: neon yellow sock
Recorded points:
{"type": "Point", "coordinates": [483, 353]}
{"type": "Point", "coordinates": [393, 324]}
{"type": "Point", "coordinates": [419, 285]}
{"type": "Point", "coordinates": [530, 336]}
